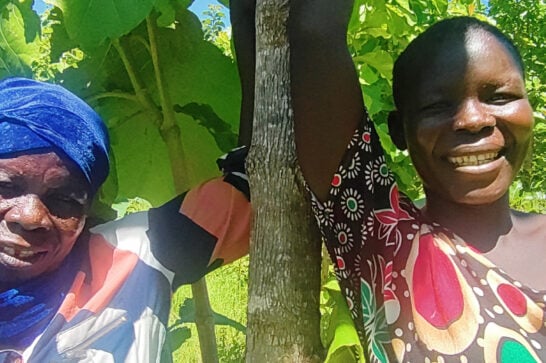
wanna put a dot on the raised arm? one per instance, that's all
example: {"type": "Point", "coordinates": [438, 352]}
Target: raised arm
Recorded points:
{"type": "Point", "coordinates": [242, 14]}
{"type": "Point", "coordinates": [326, 96]}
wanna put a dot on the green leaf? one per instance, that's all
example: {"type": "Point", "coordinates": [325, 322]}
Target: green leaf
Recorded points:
{"type": "Point", "coordinates": [345, 345]}
{"type": "Point", "coordinates": [92, 22]}
{"type": "Point", "coordinates": [332, 285]}
{"type": "Point", "coordinates": [166, 12]}
{"type": "Point", "coordinates": [194, 71]}
{"type": "Point", "coordinates": [178, 335]}
{"type": "Point", "coordinates": [224, 137]}
{"type": "Point", "coordinates": [16, 51]}
{"type": "Point", "coordinates": [30, 18]}
{"type": "Point", "coordinates": [380, 60]}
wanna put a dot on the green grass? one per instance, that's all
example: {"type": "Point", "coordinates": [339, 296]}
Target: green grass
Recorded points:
{"type": "Point", "coordinates": [228, 296]}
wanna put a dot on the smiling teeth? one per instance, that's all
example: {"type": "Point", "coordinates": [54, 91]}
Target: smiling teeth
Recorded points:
{"type": "Point", "coordinates": [472, 160]}
{"type": "Point", "coordinates": [26, 254]}
{"type": "Point", "coordinates": [21, 254]}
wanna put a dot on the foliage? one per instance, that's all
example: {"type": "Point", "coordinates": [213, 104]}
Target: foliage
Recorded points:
{"type": "Point", "coordinates": [148, 68]}
{"type": "Point", "coordinates": [133, 69]}
{"type": "Point", "coordinates": [525, 22]}
{"type": "Point", "coordinates": [213, 23]}
{"type": "Point", "coordinates": [215, 29]}
{"type": "Point", "coordinates": [228, 295]}
{"type": "Point", "coordinates": [19, 38]}
{"type": "Point", "coordinates": [338, 332]}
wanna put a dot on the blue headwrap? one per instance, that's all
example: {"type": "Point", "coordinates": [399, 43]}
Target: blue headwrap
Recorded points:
{"type": "Point", "coordinates": [35, 115]}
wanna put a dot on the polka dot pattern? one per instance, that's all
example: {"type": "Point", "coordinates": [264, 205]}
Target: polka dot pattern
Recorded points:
{"type": "Point", "coordinates": [403, 298]}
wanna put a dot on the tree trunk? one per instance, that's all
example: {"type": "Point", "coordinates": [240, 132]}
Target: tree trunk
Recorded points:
{"type": "Point", "coordinates": [285, 253]}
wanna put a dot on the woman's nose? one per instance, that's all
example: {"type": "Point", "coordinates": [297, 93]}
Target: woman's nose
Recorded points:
{"type": "Point", "coordinates": [473, 117]}
{"type": "Point", "coordinates": [29, 212]}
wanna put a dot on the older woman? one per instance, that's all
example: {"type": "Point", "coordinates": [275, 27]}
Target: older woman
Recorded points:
{"type": "Point", "coordinates": [67, 293]}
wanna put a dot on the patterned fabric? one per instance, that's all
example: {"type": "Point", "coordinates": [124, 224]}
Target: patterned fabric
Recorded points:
{"type": "Point", "coordinates": [416, 291]}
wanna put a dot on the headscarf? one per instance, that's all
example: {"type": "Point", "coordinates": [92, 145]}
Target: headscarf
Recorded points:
{"type": "Point", "coordinates": [36, 115]}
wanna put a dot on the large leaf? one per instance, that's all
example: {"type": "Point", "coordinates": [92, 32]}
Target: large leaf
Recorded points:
{"type": "Point", "coordinates": [195, 71]}
{"type": "Point", "coordinates": [91, 22]}
{"type": "Point", "coordinates": [31, 19]}
{"type": "Point", "coordinates": [19, 43]}
{"type": "Point", "coordinates": [167, 10]}
{"type": "Point", "coordinates": [342, 339]}
{"type": "Point", "coordinates": [205, 116]}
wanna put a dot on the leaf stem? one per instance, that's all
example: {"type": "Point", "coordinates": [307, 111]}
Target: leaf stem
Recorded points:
{"type": "Point", "coordinates": [141, 40]}
{"type": "Point", "coordinates": [169, 119]}
{"type": "Point", "coordinates": [141, 94]}
{"type": "Point", "coordinates": [123, 95]}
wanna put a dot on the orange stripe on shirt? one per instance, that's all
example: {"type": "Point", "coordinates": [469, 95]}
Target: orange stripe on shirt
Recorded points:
{"type": "Point", "coordinates": [223, 211]}
{"type": "Point", "coordinates": [110, 268]}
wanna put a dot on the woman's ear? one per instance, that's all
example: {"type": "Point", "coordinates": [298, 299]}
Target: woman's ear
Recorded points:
{"type": "Point", "coordinates": [396, 130]}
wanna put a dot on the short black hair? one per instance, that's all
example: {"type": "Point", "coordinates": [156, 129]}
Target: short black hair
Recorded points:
{"type": "Point", "coordinates": [448, 31]}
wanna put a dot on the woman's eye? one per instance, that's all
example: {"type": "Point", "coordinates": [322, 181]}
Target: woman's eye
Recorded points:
{"type": "Point", "coordinates": [8, 189]}
{"type": "Point", "coordinates": [501, 98]}
{"type": "Point", "coordinates": [65, 205]}
{"type": "Point", "coordinates": [67, 199]}
{"type": "Point", "coordinates": [6, 185]}
{"type": "Point", "coordinates": [436, 107]}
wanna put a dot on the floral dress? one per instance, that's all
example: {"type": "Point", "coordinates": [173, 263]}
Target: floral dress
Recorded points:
{"type": "Point", "coordinates": [416, 291]}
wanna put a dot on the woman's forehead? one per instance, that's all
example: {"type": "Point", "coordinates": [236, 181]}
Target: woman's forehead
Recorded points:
{"type": "Point", "coordinates": [449, 65]}
{"type": "Point", "coordinates": [50, 166]}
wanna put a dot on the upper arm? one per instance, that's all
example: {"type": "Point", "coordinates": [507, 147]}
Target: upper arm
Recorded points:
{"type": "Point", "coordinates": [326, 96]}
{"type": "Point", "coordinates": [210, 223]}
{"type": "Point", "coordinates": [224, 212]}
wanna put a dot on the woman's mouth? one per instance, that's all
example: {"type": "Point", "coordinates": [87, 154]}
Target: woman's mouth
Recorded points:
{"type": "Point", "coordinates": [473, 160]}
{"type": "Point", "coordinates": [19, 257]}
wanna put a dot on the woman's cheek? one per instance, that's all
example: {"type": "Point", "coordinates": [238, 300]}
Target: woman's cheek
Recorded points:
{"type": "Point", "coordinates": [71, 227]}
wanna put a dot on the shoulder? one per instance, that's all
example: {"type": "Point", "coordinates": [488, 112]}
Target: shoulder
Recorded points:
{"type": "Point", "coordinates": [531, 224]}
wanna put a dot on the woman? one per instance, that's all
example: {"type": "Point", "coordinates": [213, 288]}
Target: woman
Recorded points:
{"type": "Point", "coordinates": [70, 294]}
{"type": "Point", "coordinates": [460, 280]}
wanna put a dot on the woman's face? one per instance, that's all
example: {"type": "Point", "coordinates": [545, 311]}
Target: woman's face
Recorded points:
{"type": "Point", "coordinates": [43, 204]}
{"type": "Point", "coordinates": [469, 122]}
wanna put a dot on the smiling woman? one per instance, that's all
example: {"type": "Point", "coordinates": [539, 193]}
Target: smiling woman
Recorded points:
{"type": "Point", "coordinates": [469, 122]}
{"type": "Point", "coordinates": [441, 282]}
{"type": "Point", "coordinates": [44, 201]}
{"type": "Point", "coordinates": [68, 293]}
{"type": "Point", "coordinates": [461, 279]}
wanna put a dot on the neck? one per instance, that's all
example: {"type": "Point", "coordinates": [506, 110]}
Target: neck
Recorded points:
{"type": "Point", "coordinates": [479, 225]}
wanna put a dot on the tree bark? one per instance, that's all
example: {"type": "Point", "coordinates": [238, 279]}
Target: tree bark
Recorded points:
{"type": "Point", "coordinates": [285, 252]}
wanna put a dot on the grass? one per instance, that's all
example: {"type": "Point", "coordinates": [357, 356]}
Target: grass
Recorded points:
{"type": "Point", "coordinates": [228, 296]}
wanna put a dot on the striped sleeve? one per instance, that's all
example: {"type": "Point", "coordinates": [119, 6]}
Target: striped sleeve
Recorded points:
{"type": "Point", "coordinates": [206, 227]}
